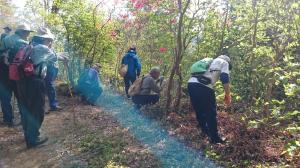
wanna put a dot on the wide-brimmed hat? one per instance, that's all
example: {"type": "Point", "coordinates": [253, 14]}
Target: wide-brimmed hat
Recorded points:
{"type": "Point", "coordinates": [24, 27]}
{"type": "Point", "coordinates": [45, 33]}
{"type": "Point", "coordinates": [7, 28]}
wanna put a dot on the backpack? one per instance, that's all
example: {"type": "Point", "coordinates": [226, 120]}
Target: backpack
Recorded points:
{"type": "Point", "coordinates": [135, 88]}
{"type": "Point", "coordinates": [201, 66]}
{"type": "Point", "coordinates": [123, 70]}
{"type": "Point", "coordinates": [21, 65]}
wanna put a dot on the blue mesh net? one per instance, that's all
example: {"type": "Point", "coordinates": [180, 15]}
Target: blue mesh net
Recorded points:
{"type": "Point", "coordinates": [168, 149]}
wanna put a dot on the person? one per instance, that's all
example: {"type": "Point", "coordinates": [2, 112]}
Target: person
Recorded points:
{"type": "Point", "coordinates": [150, 89]}
{"type": "Point", "coordinates": [89, 85]}
{"type": "Point", "coordinates": [32, 88]}
{"type": "Point", "coordinates": [203, 98]}
{"type": "Point", "coordinates": [134, 68]}
{"type": "Point", "coordinates": [7, 30]}
{"type": "Point", "coordinates": [52, 71]}
{"type": "Point", "coordinates": [10, 46]}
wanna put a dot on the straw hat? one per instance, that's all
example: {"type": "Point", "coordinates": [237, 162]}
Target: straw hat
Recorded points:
{"type": "Point", "coordinates": [24, 27]}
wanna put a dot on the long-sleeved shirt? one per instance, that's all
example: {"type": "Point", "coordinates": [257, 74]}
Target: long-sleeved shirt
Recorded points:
{"type": "Point", "coordinates": [42, 53]}
{"type": "Point", "coordinates": [3, 35]}
{"type": "Point", "coordinates": [13, 43]}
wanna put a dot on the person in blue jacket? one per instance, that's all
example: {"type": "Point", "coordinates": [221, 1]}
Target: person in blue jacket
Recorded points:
{"type": "Point", "coordinates": [134, 68]}
{"type": "Point", "coordinates": [89, 85]}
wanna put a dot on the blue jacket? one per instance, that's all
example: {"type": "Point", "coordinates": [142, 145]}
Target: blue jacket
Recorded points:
{"type": "Point", "coordinates": [89, 81]}
{"type": "Point", "coordinates": [134, 66]}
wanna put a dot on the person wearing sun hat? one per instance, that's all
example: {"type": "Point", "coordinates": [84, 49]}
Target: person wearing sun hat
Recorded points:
{"type": "Point", "coordinates": [32, 89]}
{"type": "Point", "coordinates": [52, 67]}
{"type": "Point", "coordinates": [52, 72]}
{"type": "Point", "coordinates": [10, 46]}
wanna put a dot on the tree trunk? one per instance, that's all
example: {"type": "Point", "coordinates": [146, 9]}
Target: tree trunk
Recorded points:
{"type": "Point", "coordinates": [223, 30]}
{"type": "Point", "coordinates": [179, 90]}
{"type": "Point", "coordinates": [178, 53]}
{"type": "Point", "coordinates": [252, 65]}
{"type": "Point", "coordinates": [170, 87]}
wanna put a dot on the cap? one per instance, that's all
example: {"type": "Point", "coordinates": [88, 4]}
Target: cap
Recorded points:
{"type": "Point", "coordinates": [7, 27]}
{"type": "Point", "coordinates": [225, 57]}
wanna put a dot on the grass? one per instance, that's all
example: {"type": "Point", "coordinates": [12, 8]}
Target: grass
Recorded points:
{"type": "Point", "coordinates": [103, 150]}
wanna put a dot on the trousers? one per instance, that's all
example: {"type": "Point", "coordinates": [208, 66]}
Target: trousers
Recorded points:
{"type": "Point", "coordinates": [204, 103]}
{"type": "Point", "coordinates": [141, 100]}
{"type": "Point", "coordinates": [7, 88]}
{"type": "Point", "coordinates": [128, 80]}
{"type": "Point", "coordinates": [50, 85]}
{"type": "Point", "coordinates": [32, 97]}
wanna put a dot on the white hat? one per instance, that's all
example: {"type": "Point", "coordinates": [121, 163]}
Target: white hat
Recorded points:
{"type": "Point", "coordinates": [45, 33]}
{"type": "Point", "coordinates": [24, 27]}
{"type": "Point", "coordinates": [225, 57]}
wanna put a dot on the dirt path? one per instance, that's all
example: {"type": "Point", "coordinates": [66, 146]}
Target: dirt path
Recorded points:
{"type": "Point", "coordinates": [52, 154]}
{"type": "Point", "coordinates": [75, 144]}
{"type": "Point", "coordinates": [114, 135]}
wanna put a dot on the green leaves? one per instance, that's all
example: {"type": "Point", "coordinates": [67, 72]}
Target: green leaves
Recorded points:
{"type": "Point", "coordinates": [291, 148]}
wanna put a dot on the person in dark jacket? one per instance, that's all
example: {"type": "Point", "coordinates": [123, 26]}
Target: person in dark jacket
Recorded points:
{"type": "Point", "coordinates": [9, 47]}
{"type": "Point", "coordinates": [134, 68]}
{"type": "Point", "coordinates": [32, 88]}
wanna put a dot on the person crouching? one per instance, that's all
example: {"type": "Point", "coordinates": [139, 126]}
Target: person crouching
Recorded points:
{"type": "Point", "coordinates": [89, 85]}
{"type": "Point", "coordinates": [150, 89]}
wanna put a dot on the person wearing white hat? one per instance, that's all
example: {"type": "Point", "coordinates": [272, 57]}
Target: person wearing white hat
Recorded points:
{"type": "Point", "coordinates": [11, 45]}
{"type": "Point", "coordinates": [52, 72]}
{"type": "Point", "coordinates": [32, 89]}
{"type": "Point", "coordinates": [202, 95]}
